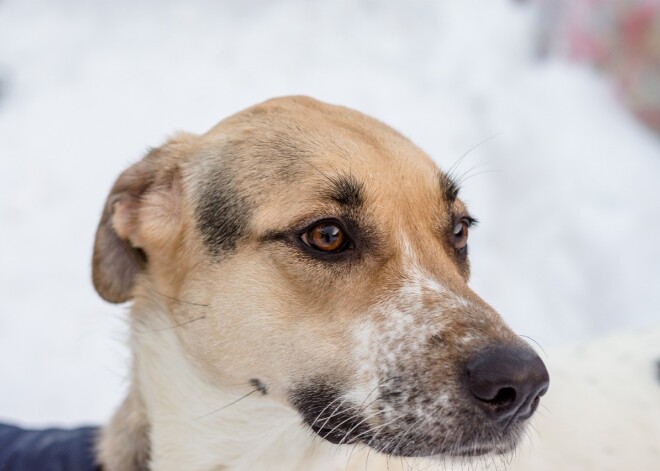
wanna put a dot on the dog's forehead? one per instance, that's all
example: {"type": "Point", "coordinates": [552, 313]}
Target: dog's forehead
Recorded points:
{"type": "Point", "coordinates": [287, 131]}
{"type": "Point", "coordinates": [293, 152]}
{"type": "Point", "coordinates": [299, 138]}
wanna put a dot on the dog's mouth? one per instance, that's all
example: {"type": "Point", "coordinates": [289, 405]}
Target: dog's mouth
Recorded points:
{"type": "Point", "coordinates": [343, 422]}
{"type": "Point", "coordinates": [409, 444]}
{"type": "Point", "coordinates": [344, 431]}
{"type": "Point", "coordinates": [415, 445]}
{"type": "Point", "coordinates": [329, 416]}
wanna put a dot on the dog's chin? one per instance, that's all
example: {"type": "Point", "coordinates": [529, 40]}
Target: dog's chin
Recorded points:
{"type": "Point", "coordinates": [475, 451]}
{"type": "Point", "coordinates": [419, 446]}
{"type": "Point", "coordinates": [416, 448]}
{"type": "Point", "coordinates": [440, 448]}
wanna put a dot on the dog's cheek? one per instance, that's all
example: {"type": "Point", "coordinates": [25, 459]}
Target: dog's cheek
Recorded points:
{"type": "Point", "coordinates": [253, 328]}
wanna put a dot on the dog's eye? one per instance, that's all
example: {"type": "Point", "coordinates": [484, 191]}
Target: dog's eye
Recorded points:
{"type": "Point", "coordinates": [326, 236]}
{"type": "Point", "coordinates": [460, 233]}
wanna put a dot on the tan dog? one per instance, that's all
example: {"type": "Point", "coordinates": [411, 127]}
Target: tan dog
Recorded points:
{"type": "Point", "coordinates": [298, 273]}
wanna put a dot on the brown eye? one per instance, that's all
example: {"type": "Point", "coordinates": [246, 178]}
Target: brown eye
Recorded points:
{"type": "Point", "coordinates": [325, 236]}
{"type": "Point", "coordinates": [460, 234]}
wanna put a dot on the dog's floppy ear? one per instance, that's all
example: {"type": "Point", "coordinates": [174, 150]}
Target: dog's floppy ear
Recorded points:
{"type": "Point", "coordinates": [140, 211]}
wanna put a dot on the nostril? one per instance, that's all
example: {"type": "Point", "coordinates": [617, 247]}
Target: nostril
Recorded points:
{"type": "Point", "coordinates": [504, 397]}
{"type": "Point", "coordinates": [534, 404]}
{"type": "Point", "coordinates": [503, 401]}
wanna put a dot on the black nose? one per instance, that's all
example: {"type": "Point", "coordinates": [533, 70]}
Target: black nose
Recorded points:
{"type": "Point", "coordinates": [507, 381]}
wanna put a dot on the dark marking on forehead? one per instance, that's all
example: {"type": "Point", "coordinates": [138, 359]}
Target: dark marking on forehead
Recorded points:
{"type": "Point", "coordinates": [347, 191]}
{"type": "Point", "coordinates": [657, 370]}
{"type": "Point", "coordinates": [223, 213]}
{"type": "Point", "coordinates": [449, 188]}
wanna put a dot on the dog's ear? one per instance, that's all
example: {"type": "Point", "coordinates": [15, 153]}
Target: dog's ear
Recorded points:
{"type": "Point", "coordinates": [140, 213]}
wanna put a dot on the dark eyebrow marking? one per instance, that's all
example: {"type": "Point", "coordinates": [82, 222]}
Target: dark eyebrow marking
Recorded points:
{"type": "Point", "coordinates": [449, 187]}
{"type": "Point", "coordinates": [346, 191]}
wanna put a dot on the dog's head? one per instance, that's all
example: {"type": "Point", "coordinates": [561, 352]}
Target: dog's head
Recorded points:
{"type": "Point", "coordinates": [318, 255]}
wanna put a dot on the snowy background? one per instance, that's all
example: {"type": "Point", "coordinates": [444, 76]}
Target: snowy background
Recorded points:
{"type": "Point", "coordinates": [567, 187]}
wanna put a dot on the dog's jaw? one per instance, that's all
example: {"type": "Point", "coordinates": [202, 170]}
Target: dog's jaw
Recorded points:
{"type": "Point", "coordinates": [197, 426]}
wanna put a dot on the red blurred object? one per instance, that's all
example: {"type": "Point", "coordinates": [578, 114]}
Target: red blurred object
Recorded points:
{"type": "Point", "coordinates": [622, 38]}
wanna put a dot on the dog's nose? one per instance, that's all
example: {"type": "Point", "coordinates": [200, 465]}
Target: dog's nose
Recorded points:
{"type": "Point", "coordinates": [507, 382]}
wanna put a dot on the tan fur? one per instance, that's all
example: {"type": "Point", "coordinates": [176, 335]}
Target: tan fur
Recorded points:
{"type": "Point", "coordinates": [261, 308]}
{"type": "Point", "coordinates": [125, 440]}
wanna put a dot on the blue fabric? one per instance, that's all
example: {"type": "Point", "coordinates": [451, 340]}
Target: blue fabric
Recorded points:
{"type": "Point", "coordinates": [47, 450]}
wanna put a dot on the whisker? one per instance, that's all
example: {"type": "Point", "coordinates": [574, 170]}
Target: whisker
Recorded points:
{"type": "Point", "coordinates": [402, 437]}
{"type": "Point", "coordinates": [162, 329]}
{"type": "Point", "coordinates": [360, 422]}
{"type": "Point", "coordinates": [318, 170]}
{"type": "Point", "coordinates": [324, 409]}
{"type": "Point", "coordinates": [535, 429]}
{"type": "Point", "coordinates": [228, 405]}
{"type": "Point", "coordinates": [344, 400]}
{"type": "Point", "coordinates": [352, 416]}
{"type": "Point", "coordinates": [189, 303]}
{"type": "Point", "coordinates": [534, 340]}
{"type": "Point", "coordinates": [455, 165]}
{"type": "Point", "coordinates": [369, 443]}
{"type": "Point", "coordinates": [529, 438]}
{"type": "Point", "coordinates": [372, 429]}
{"type": "Point", "coordinates": [467, 177]}
{"type": "Point", "coordinates": [333, 413]}
{"type": "Point", "coordinates": [482, 163]}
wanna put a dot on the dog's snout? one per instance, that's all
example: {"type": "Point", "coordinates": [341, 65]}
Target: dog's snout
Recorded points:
{"type": "Point", "coordinates": [507, 382]}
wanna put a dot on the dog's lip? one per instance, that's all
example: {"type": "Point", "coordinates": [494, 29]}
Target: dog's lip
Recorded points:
{"type": "Point", "coordinates": [342, 429]}
{"type": "Point", "coordinates": [500, 449]}
{"type": "Point", "coordinates": [434, 447]}
{"type": "Point", "coordinates": [323, 410]}
{"type": "Point", "coordinates": [464, 451]}
{"type": "Point", "coordinates": [336, 434]}
{"type": "Point", "coordinates": [472, 452]}
{"type": "Point", "coordinates": [349, 434]}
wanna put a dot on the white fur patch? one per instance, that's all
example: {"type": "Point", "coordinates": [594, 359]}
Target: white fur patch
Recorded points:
{"type": "Point", "coordinates": [197, 426]}
{"type": "Point", "coordinates": [398, 330]}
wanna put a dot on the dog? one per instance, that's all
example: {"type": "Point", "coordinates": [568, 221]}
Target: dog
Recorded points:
{"type": "Point", "coordinates": [298, 286]}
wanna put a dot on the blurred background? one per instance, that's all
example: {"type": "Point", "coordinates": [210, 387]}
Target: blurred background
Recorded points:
{"type": "Point", "coordinates": [556, 105]}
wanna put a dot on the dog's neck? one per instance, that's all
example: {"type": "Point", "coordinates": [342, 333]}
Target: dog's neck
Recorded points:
{"type": "Point", "coordinates": [194, 425]}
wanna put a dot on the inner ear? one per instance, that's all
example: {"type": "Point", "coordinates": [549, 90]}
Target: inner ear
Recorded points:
{"type": "Point", "coordinates": [153, 221]}
{"type": "Point", "coordinates": [124, 215]}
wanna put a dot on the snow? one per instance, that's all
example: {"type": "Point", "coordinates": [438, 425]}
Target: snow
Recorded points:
{"type": "Point", "coordinates": [567, 248]}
